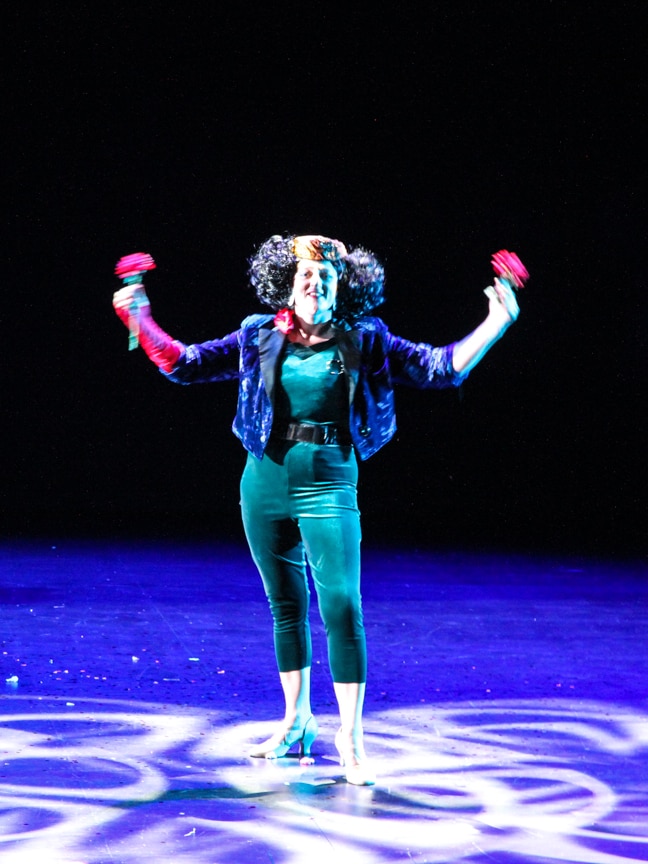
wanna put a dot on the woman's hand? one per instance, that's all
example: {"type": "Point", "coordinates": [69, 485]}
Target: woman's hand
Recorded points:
{"type": "Point", "coordinates": [133, 308]}
{"type": "Point", "coordinates": [129, 300]}
{"type": "Point", "coordinates": [503, 309]}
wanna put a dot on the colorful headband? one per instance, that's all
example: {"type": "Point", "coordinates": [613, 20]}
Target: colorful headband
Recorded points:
{"type": "Point", "coordinates": [313, 247]}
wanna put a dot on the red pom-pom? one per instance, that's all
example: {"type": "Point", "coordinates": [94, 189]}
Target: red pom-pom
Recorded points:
{"type": "Point", "coordinates": [508, 266]}
{"type": "Point", "coordinates": [131, 265]}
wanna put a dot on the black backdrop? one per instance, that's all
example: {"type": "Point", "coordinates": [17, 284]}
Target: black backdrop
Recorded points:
{"type": "Point", "coordinates": [432, 134]}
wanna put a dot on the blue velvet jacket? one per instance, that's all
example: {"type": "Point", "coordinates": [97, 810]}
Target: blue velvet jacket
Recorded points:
{"type": "Point", "coordinates": [374, 360]}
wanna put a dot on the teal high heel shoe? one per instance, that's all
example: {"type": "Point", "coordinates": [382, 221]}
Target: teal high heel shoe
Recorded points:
{"type": "Point", "coordinates": [358, 770]}
{"type": "Point", "coordinates": [280, 743]}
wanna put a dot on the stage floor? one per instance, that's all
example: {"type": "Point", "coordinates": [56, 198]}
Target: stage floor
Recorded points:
{"type": "Point", "coordinates": [506, 714]}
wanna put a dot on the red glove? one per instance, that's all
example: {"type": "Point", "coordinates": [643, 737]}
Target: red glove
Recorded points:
{"type": "Point", "coordinates": [159, 347]}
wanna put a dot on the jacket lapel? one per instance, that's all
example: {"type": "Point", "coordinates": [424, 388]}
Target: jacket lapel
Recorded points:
{"type": "Point", "coordinates": [270, 345]}
{"type": "Point", "coordinates": [350, 345]}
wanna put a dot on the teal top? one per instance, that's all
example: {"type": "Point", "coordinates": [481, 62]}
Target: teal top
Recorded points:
{"type": "Point", "coordinates": [312, 386]}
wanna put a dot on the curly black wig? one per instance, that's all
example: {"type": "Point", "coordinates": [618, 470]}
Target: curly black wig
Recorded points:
{"type": "Point", "coordinates": [361, 278]}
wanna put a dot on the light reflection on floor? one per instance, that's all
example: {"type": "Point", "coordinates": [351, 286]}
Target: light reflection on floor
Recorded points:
{"type": "Point", "coordinates": [99, 781]}
{"type": "Point", "coordinates": [507, 712]}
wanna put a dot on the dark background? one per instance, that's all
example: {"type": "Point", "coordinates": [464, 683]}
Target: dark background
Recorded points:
{"type": "Point", "coordinates": [433, 134]}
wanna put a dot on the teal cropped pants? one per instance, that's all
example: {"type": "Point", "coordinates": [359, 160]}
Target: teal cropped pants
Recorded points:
{"type": "Point", "coordinates": [299, 504]}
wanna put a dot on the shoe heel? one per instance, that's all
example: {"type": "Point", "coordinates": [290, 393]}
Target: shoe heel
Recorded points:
{"type": "Point", "coordinates": [308, 737]}
{"type": "Point", "coordinates": [281, 742]}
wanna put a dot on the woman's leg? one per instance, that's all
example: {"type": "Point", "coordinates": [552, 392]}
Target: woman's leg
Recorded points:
{"type": "Point", "coordinates": [277, 551]}
{"type": "Point", "coordinates": [330, 527]}
{"type": "Point", "coordinates": [296, 689]}
{"type": "Point", "coordinates": [298, 726]}
{"type": "Point", "coordinates": [349, 739]}
{"type": "Point", "coordinates": [333, 550]}
{"type": "Point", "coordinates": [332, 546]}
{"type": "Point", "coordinates": [350, 699]}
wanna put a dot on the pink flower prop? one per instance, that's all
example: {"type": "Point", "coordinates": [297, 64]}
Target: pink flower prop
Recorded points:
{"type": "Point", "coordinates": [284, 321]}
{"type": "Point", "coordinates": [507, 265]}
{"type": "Point", "coordinates": [133, 265]}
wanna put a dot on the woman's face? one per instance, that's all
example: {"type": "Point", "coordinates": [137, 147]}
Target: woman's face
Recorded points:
{"type": "Point", "coordinates": [314, 291]}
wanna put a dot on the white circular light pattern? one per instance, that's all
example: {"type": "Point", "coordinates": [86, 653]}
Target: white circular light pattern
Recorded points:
{"type": "Point", "coordinates": [132, 782]}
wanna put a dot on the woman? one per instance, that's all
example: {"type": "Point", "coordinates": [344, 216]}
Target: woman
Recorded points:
{"type": "Point", "coordinates": [315, 389]}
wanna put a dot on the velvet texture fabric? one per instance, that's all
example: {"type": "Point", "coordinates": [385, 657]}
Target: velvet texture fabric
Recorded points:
{"type": "Point", "coordinates": [374, 361]}
{"type": "Point", "coordinates": [299, 503]}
